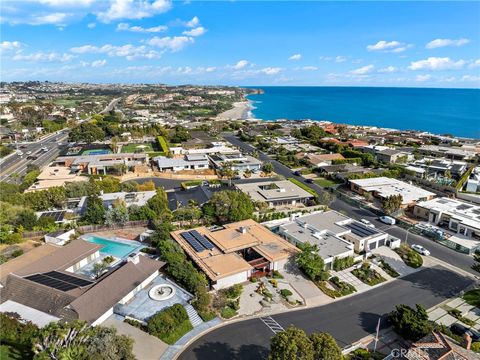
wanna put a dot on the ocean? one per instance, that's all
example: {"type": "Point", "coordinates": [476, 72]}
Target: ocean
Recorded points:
{"type": "Point", "coordinates": [439, 111]}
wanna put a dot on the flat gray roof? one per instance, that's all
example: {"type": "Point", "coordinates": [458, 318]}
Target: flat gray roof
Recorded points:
{"type": "Point", "coordinates": [274, 190]}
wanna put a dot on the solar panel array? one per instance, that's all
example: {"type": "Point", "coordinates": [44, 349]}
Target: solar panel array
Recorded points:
{"type": "Point", "coordinates": [202, 240]}
{"type": "Point", "coordinates": [59, 281]}
{"type": "Point", "coordinates": [361, 230]}
{"type": "Point", "coordinates": [197, 241]}
{"type": "Point", "coordinates": [56, 215]}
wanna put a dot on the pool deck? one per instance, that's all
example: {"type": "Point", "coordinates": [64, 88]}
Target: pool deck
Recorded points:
{"type": "Point", "coordinates": [115, 239]}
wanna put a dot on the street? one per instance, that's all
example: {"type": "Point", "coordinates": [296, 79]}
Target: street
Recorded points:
{"type": "Point", "coordinates": [16, 164]}
{"type": "Point", "coordinates": [437, 250]}
{"type": "Point", "coordinates": [348, 320]}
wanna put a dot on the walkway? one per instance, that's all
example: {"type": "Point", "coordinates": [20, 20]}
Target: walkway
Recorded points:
{"type": "Point", "coordinates": [394, 260]}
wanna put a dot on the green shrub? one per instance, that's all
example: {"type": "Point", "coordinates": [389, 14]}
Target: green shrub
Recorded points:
{"type": "Point", "coordinates": [388, 269]}
{"type": "Point", "coordinates": [207, 315]}
{"type": "Point", "coordinates": [409, 256]}
{"type": "Point", "coordinates": [17, 253]}
{"type": "Point", "coordinates": [233, 292]}
{"type": "Point", "coordinates": [472, 297]}
{"type": "Point", "coordinates": [163, 144]}
{"type": "Point", "coordinates": [475, 347]}
{"type": "Point", "coordinates": [343, 263]}
{"type": "Point", "coordinates": [368, 275]}
{"type": "Point", "coordinates": [170, 324]}
{"type": "Point", "coordinates": [253, 279]}
{"type": "Point", "coordinates": [285, 293]}
{"type": "Point", "coordinates": [273, 282]}
{"type": "Point", "coordinates": [227, 312]}
{"type": "Point", "coordinates": [276, 274]}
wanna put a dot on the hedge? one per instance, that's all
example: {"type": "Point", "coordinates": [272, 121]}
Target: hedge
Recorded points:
{"type": "Point", "coordinates": [170, 324]}
{"type": "Point", "coordinates": [163, 144]}
{"type": "Point", "coordinates": [303, 186]}
{"type": "Point", "coordinates": [348, 160]}
{"type": "Point", "coordinates": [464, 178]}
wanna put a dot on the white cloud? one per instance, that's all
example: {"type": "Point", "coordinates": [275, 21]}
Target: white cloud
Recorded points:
{"type": "Point", "coordinates": [363, 70]}
{"type": "Point", "coordinates": [44, 57]}
{"type": "Point", "coordinates": [210, 69]}
{"type": "Point", "coordinates": [10, 46]}
{"type": "Point", "coordinates": [91, 25]}
{"type": "Point", "coordinates": [133, 9]}
{"type": "Point", "coordinates": [139, 29]}
{"type": "Point", "coordinates": [195, 32]}
{"type": "Point", "coordinates": [474, 78]}
{"type": "Point", "coordinates": [193, 23]}
{"type": "Point", "coordinates": [240, 64]}
{"type": "Point", "coordinates": [67, 3]}
{"type": "Point", "coordinates": [474, 64]}
{"type": "Point", "coordinates": [128, 51]}
{"type": "Point", "coordinates": [309, 68]}
{"type": "Point", "coordinates": [99, 63]}
{"type": "Point", "coordinates": [57, 18]}
{"type": "Point", "coordinates": [173, 44]}
{"type": "Point", "coordinates": [325, 58]}
{"type": "Point", "coordinates": [388, 69]}
{"type": "Point", "coordinates": [340, 59]}
{"type": "Point", "coordinates": [295, 57]}
{"type": "Point", "coordinates": [438, 43]}
{"type": "Point", "coordinates": [421, 78]}
{"type": "Point", "coordinates": [388, 46]}
{"type": "Point", "coordinates": [271, 70]}
{"type": "Point", "coordinates": [436, 63]}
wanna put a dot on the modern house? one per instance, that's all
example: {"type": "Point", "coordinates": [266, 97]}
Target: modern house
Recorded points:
{"type": "Point", "coordinates": [236, 252]}
{"type": "Point", "coordinates": [103, 164]}
{"type": "Point", "coordinates": [237, 161]}
{"type": "Point", "coordinates": [182, 198]}
{"type": "Point", "coordinates": [187, 162]}
{"type": "Point", "coordinates": [276, 193]}
{"type": "Point", "coordinates": [383, 187]}
{"type": "Point", "coordinates": [323, 159]}
{"type": "Point", "coordinates": [53, 286]}
{"type": "Point", "coordinates": [211, 148]}
{"type": "Point", "coordinates": [336, 235]}
{"type": "Point", "coordinates": [449, 152]}
{"type": "Point", "coordinates": [457, 216]}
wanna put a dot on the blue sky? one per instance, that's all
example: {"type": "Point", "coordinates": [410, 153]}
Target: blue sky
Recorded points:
{"type": "Point", "coordinates": [424, 44]}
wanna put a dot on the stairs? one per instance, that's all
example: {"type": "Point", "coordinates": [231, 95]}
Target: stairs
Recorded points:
{"type": "Point", "coordinates": [193, 315]}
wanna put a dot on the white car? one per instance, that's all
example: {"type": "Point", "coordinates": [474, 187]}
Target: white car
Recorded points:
{"type": "Point", "coordinates": [367, 223]}
{"type": "Point", "coordinates": [28, 152]}
{"type": "Point", "coordinates": [387, 220]}
{"type": "Point", "coordinates": [20, 153]}
{"type": "Point", "coordinates": [420, 249]}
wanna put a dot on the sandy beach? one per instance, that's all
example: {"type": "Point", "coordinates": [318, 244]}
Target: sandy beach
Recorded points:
{"type": "Point", "coordinates": [239, 111]}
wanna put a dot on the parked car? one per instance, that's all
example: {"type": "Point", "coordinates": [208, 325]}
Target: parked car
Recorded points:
{"type": "Point", "coordinates": [387, 220]}
{"type": "Point", "coordinates": [420, 249]}
{"type": "Point", "coordinates": [45, 149]}
{"type": "Point", "coordinates": [296, 173]}
{"type": "Point", "coordinates": [20, 153]}
{"type": "Point", "coordinates": [459, 329]}
{"type": "Point", "coordinates": [309, 181]}
{"type": "Point", "coordinates": [366, 222]}
{"type": "Point", "coordinates": [28, 152]}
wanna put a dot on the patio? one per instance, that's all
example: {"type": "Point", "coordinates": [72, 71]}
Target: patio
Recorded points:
{"type": "Point", "coordinates": [142, 307]}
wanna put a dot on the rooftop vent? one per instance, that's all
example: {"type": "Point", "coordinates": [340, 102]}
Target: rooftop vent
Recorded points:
{"type": "Point", "coordinates": [243, 229]}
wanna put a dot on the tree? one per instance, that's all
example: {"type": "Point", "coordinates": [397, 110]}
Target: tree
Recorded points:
{"type": "Point", "coordinates": [392, 203]}
{"type": "Point", "coordinates": [267, 168]}
{"type": "Point", "coordinates": [227, 172]}
{"type": "Point", "coordinates": [311, 263]}
{"type": "Point", "coordinates": [106, 344]}
{"type": "Point", "coordinates": [158, 204]}
{"type": "Point", "coordinates": [291, 344]}
{"type": "Point", "coordinates": [86, 132]}
{"type": "Point", "coordinates": [412, 324]}
{"type": "Point", "coordinates": [476, 261]}
{"type": "Point", "coordinates": [117, 214]}
{"type": "Point", "coordinates": [99, 268]}
{"type": "Point", "coordinates": [95, 212]}
{"type": "Point", "coordinates": [326, 198]}
{"type": "Point", "coordinates": [229, 206]}
{"type": "Point", "coordinates": [325, 347]}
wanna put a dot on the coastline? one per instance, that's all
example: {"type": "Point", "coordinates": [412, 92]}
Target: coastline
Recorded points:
{"type": "Point", "coordinates": [241, 111]}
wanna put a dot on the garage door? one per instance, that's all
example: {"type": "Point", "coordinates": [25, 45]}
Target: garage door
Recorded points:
{"type": "Point", "coordinates": [381, 242]}
{"type": "Point", "coordinates": [372, 245]}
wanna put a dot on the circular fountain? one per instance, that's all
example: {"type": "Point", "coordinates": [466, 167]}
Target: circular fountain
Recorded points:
{"type": "Point", "coordinates": [161, 292]}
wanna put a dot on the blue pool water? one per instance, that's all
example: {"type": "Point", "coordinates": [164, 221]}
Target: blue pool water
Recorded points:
{"type": "Point", "coordinates": [97, 152]}
{"type": "Point", "coordinates": [113, 248]}
{"type": "Point", "coordinates": [440, 111]}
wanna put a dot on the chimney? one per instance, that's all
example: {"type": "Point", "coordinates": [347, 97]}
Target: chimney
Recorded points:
{"type": "Point", "coordinates": [468, 340]}
{"type": "Point", "coordinates": [134, 258]}
{"type": "Point", "coordinates": [243, 229]}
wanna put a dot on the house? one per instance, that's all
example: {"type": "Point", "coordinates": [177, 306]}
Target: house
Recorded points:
{"type": "Point", "coordinates": [237, 161]}
{"type": "Point", "coordinates": [188, 162]}
{"type": "Point", "coordinates": [276, 193]}
{"type": "Point", "coordinates": [449, 152]}
{"type": "Point", "coordinates": [455, 215]}
{"type": "Point", "coordinates": [393, 156]}
{"type": "Point", "coordinates": [52, 286]}
{"type": "Point", "coordinates": [437, 346]}
{"type": "Point", "coordinates": [53, 176]}
{"type": "Point", "coordinates": [215, 147]}
{"type": "Point", "coordinates": [437, 167]}
{"type": "Point", "coordinates": [473, 183]}
{"type": "Point", "coordinates": [59, 237]}
{"type": "Point", "coordinates": [182, 198]}
{"type": "Point", "coordinates": [235, 252]}
{"type": "Point", "coordinates": [383, 187]}
{"type": "Point", "coordinates": [336, 235]}
{"type": "Point", "coordinates": [323, 159]}
{"type": "Point", "coordinates": [104, 163]}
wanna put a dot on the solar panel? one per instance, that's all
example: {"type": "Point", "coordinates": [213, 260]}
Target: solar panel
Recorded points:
{"type": "Point", "coordinates": [56, 215]}
{"type": "Point", "coordinates": [361, 230]}
{"type": "Point", "coordinates": [202, 239]}
{"type": "Point", "coordinates": [51, 282]}
{"type": "Point", "coordinates": [192, 241]}
{"type": "Point", "coordinates": [69, 278]}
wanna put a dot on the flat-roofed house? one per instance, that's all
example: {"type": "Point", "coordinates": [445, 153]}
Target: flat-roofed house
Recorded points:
{"type": "Point", "coordinates": [102, 164]}
{"type": "Point", "coordinates": [237, 161]}
{"type": "Point", "coordinates": [236, 252]}
{"type": "Point", "coordinates": [188, 162]}
{"type": "Point", "coordinates": [276, 193]}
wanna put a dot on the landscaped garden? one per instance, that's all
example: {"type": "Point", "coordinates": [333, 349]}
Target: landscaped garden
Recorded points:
{"type": "Point", "coordinates": [472, 297]}
{"type": "Point", "coordinates": [387, 268]}
{"type": "Point", "coordinates": [368, 275]}
{"type": "Point", "coordinates": [409, 256]}
{"type": "Point", "coordinates": [138, 148]}
{"type": "Point", "coordinates": [335, 288]}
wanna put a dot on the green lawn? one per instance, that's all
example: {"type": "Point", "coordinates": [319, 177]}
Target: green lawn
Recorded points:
{"type": "Point", "coordinates": [181, 330]}
{"type": "Point", "coordinates": [326, 182]}
{"type": "Point", "coordinates": [131, 148]}
{"type": "Point", "coordinates": [472, 297]}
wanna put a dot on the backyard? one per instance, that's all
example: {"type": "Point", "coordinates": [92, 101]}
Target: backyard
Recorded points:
{"type": "Point", "coordinates": [132, 148]}
{"type": "Point", "coordinates": [323, 182]}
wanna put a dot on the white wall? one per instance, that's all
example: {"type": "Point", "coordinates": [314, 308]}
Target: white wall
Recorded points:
{"type": "Point", "coordinates": [231, 280]}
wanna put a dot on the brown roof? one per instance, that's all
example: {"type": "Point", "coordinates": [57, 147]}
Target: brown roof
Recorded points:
{"type": "Point", "coordinates": [318, 158]}
{"type": "Point", "coordinates": [110, 290]}
{"type": "Point", "coordinates": [13, 265]}
{"type": "Point", "coordinates": [62, 258]}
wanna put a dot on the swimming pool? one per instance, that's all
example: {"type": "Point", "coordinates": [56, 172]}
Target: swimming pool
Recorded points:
{"type": "Point", "coordinates": [97, 152]}
{"type": "Point", "coordinates": [114, 248]}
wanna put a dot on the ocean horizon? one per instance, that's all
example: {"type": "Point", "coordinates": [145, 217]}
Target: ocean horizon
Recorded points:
{"type": "Point", "coordinates": [436, 110]}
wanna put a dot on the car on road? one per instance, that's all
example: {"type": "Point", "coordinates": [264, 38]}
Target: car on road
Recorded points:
{"type": "Point", "coordinates": [297, 173]}
{"type": "Point", "coordinates": [420, 249]}
{"type": "Point", "coordinates": [32, 157]}
{"type": "Point", "coordinates": [367, 223]}
{"type": "Point", "coordinates": [309, 181]}
{"type": "Point", "coordinates": [45, 149]}
{"type": "Point", "coordinates": [387, 220]}
{"type": "Point", "coordinates": [28, 153]}
{"type": "Point", "coordinates": [459, 329]}
{"type": "Point", "coordinates": [20, 153]}
{"type": "Point", "coordinates": [23, 146]}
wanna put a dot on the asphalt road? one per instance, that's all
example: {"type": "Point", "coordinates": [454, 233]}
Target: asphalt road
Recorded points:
{"type": "Point", "coordinates": [439, 251]}
{"type": "Point", "coordinates": [16, 164]}
{"type": "Point", "coordinates": [348, 320]}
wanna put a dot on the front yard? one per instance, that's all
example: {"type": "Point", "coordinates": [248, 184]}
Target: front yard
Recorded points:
{"type": "Point", "coordinates": [409, 256]}
{"type": "Point", "coordinates": [368, 275]}
{"type": "Point", "coordinates": [323, 182]}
